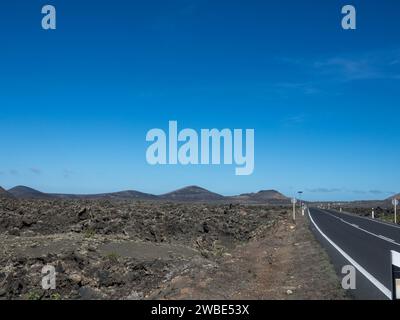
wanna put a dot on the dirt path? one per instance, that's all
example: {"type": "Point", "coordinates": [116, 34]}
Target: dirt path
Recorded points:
{"type": "Point", "coordinates": [287, 263]}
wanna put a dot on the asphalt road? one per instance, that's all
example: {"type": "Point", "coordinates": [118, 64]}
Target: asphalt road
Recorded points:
{"type": "Point", "coordinates": [364, 243]}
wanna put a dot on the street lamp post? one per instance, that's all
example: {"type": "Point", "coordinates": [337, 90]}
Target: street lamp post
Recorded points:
{"type": "Point", "coordinates": [300, 201]}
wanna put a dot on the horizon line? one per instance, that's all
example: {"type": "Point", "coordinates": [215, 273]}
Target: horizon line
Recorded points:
{"type": "Point", "coordinates": [197, 186]}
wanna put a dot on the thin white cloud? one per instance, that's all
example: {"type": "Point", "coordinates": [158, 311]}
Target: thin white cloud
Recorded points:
{"type": "Point", "coordinates": [67, 173]}
{"type": "Point", "coordinates": [377, 65]}
{"type": "Point", "coordinates": [35, 171]}
{"type": "Point", "coordinates": [336, 190]}
{"type": "Point", "coordinates": [363, 66]}
{"type": "Point", "coordinates": [324, 190]}
{"type": "Point", "coordinates": [307, 88]}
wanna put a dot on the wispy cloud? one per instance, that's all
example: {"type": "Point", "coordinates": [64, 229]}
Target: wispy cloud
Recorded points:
{"type": "Point", "coordinates": [363, 66]}
{"type": "Point", "coordinates": [356, 191]}
{"type": "Point", "coordinates": [67, 173]}
{"type": "Point", "coordinates": [349, 69]}
{"type": "Point", "coordinates": [379, 192]}
{"type": "Point", "coordinates": [376, 191]}
{"type": "Point", "coordinates": [294, 120]}
{"type": "Point", "coordinates": [324, 190]}
{"type": "Point", "coordinates": [189, 7]}
{"type": "Point", "coordinates": [182, 9]}
{"type": "Point", "coordinates": [35, 171]}
{"type": "Point", "coordinates": [344, 68]}
{"type": "Point", "coordinates": [306, 88]}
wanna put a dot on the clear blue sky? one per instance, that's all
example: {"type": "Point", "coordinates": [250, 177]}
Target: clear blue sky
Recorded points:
{"type": "Point", "coordinates": [76, 103]}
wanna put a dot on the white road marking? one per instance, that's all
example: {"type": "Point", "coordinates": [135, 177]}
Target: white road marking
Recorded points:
{"type": "Point", "coordinates": [365, 273]}
{"type": "Point", "coordinates": [370, 219]}
{"type": "Point", "coordinates": [386, 238]}
{"type": "Point", "coordinates": [366, 231]}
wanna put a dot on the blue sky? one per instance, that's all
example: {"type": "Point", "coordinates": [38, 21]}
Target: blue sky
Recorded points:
{"type": "Point", "coordinates": [76, 103]}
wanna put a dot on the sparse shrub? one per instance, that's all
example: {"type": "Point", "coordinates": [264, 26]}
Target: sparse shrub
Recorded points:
{"type": "Point", "coordinates": [33, 295]}
{"type": "Point", "coordinates": [55, 296]}
{"type": "Point", "coordinates": [89, 233]}
{"type": "Point", "coordinates": [113, 257]}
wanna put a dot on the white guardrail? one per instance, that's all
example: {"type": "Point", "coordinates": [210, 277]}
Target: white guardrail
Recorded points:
{"type": "Point", "coordinates": [396, 274]}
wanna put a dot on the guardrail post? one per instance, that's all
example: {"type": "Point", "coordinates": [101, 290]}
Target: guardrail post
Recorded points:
{"type": "Point", "coordinates": [395, 275]}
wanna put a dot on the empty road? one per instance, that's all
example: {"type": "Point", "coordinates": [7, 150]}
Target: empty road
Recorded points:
{"type": "Point", "coordinates": [362, 242]}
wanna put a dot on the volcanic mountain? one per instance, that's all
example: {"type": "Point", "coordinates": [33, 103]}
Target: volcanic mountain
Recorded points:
{"type": "Point", "coordinates": [396, 196]}
{"type": "Point", "coordinates": [262, 196]}
{"type": "Point", "coordinates": [5, 194]}
{"type": "Point", "coordinates": [22, 192]}
{"type": "Point", "coordinates": [192, 193]}
{"type": "Point", "coordinates": [187, 194]}
{"type": "Point", "coordinates": [121, 195]}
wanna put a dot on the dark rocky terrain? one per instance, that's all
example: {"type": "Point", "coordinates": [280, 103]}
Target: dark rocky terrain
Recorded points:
{"type": "Point", "coordinates": [108, 249]}
{"type": "Point", "coordinates": [383, 212]}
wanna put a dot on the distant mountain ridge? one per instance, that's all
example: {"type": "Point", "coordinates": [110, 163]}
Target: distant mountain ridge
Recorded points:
{"type": "Point", "coordinates": [396, 196]}
{"type": "Point", "coordinates": [23, 192]}
{"type": "Point", "coordinates": [192, 193]}
{"type": "Point", "coordinates": [187, 194]}
{"type": "Point", "coordinates": [5, 194]}
{"type": "Point", "coordinates": [121, 195]}
{"type": "Point", "coordinates": [263, 195]}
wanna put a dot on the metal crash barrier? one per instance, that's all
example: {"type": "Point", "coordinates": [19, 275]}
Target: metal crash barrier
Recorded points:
{"type": "Point", "coordinates": [396, 274]}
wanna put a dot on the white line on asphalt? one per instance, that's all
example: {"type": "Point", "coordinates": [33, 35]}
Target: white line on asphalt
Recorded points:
{"type": "Point", "coordinates": [386, 238]}
{"type": "Point", "coordinates": [369, 232]}
{"type": "Point", "coordinates": [364, 272]}
{"type": "Point", "coordinates": [370, 219]}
